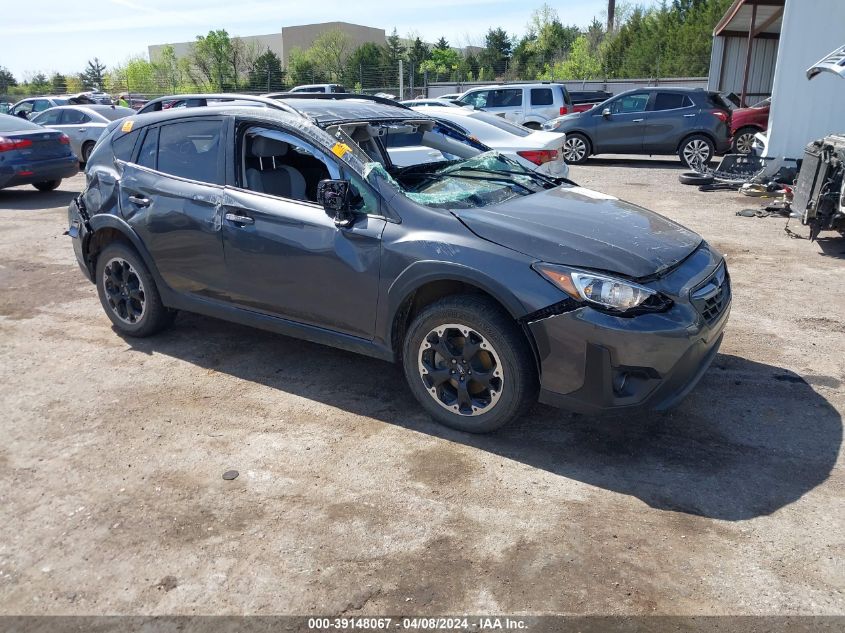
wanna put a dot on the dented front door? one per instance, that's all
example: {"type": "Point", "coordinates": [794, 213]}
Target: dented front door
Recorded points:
{"type": "Point", "coordinates": [287, 258]}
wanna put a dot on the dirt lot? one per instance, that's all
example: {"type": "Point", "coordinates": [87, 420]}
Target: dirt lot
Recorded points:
{"type": "Point", "coordinates": [350, 500]}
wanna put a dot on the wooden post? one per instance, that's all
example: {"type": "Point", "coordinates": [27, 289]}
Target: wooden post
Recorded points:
{"type": "Point", "coordinates": [742, 101]}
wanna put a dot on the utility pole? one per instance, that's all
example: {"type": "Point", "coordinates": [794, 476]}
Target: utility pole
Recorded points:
{"type": "Point", "coordinates": [611, 15]}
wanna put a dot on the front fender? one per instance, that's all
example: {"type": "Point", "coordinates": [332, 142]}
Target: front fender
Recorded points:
{"type": "Point", "coordinates": [420, 273]}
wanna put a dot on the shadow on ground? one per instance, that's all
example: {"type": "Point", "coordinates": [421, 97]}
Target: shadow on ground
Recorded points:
{"type": "Point", "coordinates": [30, 199]}
{"type": "Point", "coordinates": [639, 162]}
{"type": "Point", "coordinates": [750, 439]}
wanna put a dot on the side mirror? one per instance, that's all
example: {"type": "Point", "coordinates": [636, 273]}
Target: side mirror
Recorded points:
{"type": "Point", "coordinates": [334, 196]}
{"type": "Point", "coordinates": [606, 113]}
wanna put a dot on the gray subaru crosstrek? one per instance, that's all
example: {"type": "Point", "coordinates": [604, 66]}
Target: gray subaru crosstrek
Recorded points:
{"type": "Point", "coordinates": [690, 122]}
{"type": "Point", "coordinates": [490, 284]}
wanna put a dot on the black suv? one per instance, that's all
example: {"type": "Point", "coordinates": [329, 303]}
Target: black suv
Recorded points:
{"type": "Point", "coordinates": [690, 122]}
{"type": "Point", "coordinates": [491, 284]}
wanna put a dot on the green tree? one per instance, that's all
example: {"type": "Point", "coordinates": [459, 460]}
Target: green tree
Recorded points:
{"type": "Point", "coordinates": [442, 44]}
{"type": "Point", "coordinates": [301, 68]}
{"type": "Point", "coordinates": [581, 63]}
{"type": "Point", "coordinates": [364, 66]}
{"type": "Point", "coordinates": [94, 74]}
{"type": "Point", "coordinates": [497, 50]}
{"type": "Point", "coordinates": [267, 73]}
{"type": "Point", "coordinates": [210, 59]}
{"type": "Point", "coordinates": [7, 79]}
{"type": "Point", "coordinates": [39, 84]}
{"type": "Point", "coordinates": [329, 53]}
{"type": "Point", "coordinates": [58, 83]}
{"type": "Point", "coordinates": [442, 64]}
{"type": "Point", "coordinates": [169, 72]}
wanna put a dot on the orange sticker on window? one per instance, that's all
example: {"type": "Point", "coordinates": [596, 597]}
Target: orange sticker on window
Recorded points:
{"type": "Point", "coordinates": [127, 126]}
{"type": "Point", "coordinates": [340, 149]}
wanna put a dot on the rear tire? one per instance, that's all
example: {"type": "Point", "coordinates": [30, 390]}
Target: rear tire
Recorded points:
{"type": "Point", "coordinates": [576, 149]}
{"type": "Point", "coordinates": [87, 148]}
{"type": "Point", "coordinates": [696, 150]}
{"type": "Point", "coordinates": [469, 365]}
{"type": "Point", "coordinates": [47, 185]}
{"type": "Point", "coordinates": [128, 292]}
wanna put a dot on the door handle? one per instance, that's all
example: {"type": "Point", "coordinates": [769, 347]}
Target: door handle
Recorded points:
{"type": "Point", "coordinates": [239, 219]}
{"type": "Point", "coordinates": [637, 120]}
{"type": "Point", "coordinates": [688, 116]}
{"type": "Point", "coordinates": [139, 201]}
{"type": "Point", "coordinates": [82, 129]}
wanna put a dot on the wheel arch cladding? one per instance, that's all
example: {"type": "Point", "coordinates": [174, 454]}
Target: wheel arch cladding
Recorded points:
{"type": "Point", "coordinates": [108, 229]}
{"type": "Point", "coordinates": [413, 295]}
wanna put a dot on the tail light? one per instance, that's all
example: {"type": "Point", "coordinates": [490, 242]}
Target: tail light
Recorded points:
{"type": "Point", "coordinates": [539, 156]}
{"type": "Point", "coordinates": [564, 110]}
{"type": "Point", "coordinates": [9, 144]}
{"type": "Point", "coordinates": [721, 115]}
{"type": "Point", "coordinates": [64, 139]}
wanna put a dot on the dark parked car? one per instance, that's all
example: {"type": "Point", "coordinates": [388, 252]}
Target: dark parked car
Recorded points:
{"type": "Point", "coordinates": [490, 283]}
{"type": "Point", "coordinates": [692, 123]}
{"type": "Point", "coordinates": [31, 154]}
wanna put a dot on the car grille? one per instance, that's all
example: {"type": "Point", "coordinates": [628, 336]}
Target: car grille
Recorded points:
{"type": "Point", "coordinates": [712, 296]}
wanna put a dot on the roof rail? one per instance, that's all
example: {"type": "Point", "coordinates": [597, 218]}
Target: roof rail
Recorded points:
{"type": "Point", "coordinates": [334, 96]}
{"type": "Point", "coordinates": [230, 96]}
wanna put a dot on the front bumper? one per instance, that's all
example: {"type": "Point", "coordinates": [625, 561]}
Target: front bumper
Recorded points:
{"type": "Point", "coordinates": [16, 174]}
{"type": "Point", "coordinates": [592, 362]}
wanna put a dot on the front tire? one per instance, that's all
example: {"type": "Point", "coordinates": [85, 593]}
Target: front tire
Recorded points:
{"type": "Point", "coordinates": [743, 140]}
{"type": "Point", "coordinates": [576, 149]}
{"type": "Point", "coordinates": [47, 185]}
{"type": "Point", "coordinates": [128, 292]}
{"type": "Point", "coordinates": [696, 151]}
{"type": "Point", "coordinates": [469, 365]}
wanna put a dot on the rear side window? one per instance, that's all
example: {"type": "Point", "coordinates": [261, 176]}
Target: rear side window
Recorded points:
{"type": "Point", "coordinates": [148, 154]}
{"type": "Point", "coordinates": [541, 96]}
{"type": "Point", "coordinates": [671, 101]}
{"type": "Point", "coordinates": [477, 99]}
{"type": "Point", "coordinates": [191, 150]}
{"type": "Point", "coordinates": [48, 117]}
{"type": "Point", "coordinates": [123, 144]}
{"type": "Point", "coordinates": [74, 117]}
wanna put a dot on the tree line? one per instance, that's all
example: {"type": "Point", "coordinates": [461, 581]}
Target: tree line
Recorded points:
{"type": "Point", "coordinates": [671, 39]}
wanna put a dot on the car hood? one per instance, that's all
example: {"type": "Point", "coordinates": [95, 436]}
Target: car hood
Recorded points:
{"type": "Point", "coordinates": [578, 227]}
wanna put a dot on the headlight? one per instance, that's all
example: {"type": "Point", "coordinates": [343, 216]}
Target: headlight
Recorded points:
{"type": "Point", "coordinates": [600, 290]}
{"type": "Point", "coordinates": [551, 126]}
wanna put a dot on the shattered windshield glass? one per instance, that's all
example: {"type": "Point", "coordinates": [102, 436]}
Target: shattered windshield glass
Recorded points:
{"type": "Point", "coordinates": [482, 180]}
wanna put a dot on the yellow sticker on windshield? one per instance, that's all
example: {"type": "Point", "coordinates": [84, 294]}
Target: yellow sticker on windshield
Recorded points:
{"type": "Point", "coordinates": [340, 149]}
{"type": "Point", "coordinates": [127, 126]}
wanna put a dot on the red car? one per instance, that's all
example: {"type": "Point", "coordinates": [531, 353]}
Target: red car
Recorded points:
{"type": "Point", "coordinates": [746, 122]}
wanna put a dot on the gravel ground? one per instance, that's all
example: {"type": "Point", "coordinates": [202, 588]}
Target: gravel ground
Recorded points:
{"type": "Point", "coordinates": [351, 501]}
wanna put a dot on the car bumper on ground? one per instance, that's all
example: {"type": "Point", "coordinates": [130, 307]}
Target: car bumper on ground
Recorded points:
{"type": "Point", "coordinates": [591, 362]}
{"type": "Point", "coordinates": [44, 170]}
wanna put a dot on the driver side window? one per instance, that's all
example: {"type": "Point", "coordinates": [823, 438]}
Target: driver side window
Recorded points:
{"type": "Point", "coordinates": [630, 103]}
{"type": "Point", "coordinates": [280, 164]}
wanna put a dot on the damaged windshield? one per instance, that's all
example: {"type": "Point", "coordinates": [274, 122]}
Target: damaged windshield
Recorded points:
{"type": "Point", "coordinates": [486, 179]}
{"type": "Point", "coordinates": [442, 168]}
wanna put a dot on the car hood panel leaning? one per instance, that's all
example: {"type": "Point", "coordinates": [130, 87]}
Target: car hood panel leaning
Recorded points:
{"type": "Point", "coordinates": [578, 227]}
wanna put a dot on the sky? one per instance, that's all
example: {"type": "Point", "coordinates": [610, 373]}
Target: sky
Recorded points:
{"type": "Point", "coordinates": [62, 35]}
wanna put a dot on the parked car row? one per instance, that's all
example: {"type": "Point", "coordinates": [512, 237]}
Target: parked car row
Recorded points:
{"type": "Point", "coordinates": [490, 283]}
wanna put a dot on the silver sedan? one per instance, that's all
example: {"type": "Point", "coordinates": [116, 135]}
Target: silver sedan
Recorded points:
{"type": "Point", "coordinates": [83, 124]}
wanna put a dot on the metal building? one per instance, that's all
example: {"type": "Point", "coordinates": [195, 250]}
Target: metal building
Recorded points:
{"type": "Point", "coordinates": [745, 49]}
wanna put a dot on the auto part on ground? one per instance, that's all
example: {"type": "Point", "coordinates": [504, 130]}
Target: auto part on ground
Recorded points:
{"type": "Point", "coordinates": [819, 190]}
{"type": "Point", "coordinates": [734, 171]}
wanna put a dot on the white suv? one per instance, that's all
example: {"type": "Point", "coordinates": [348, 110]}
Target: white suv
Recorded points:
{"type": "Point", "coordinates": [530, 105]}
